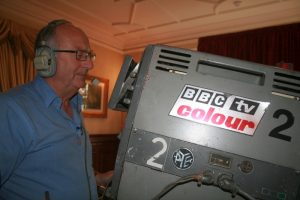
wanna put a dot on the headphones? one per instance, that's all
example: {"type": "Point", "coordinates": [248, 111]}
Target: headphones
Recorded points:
{"type": "Point", "coordinates": [44, 60]}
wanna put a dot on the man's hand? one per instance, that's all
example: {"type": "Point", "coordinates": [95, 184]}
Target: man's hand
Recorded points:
{"type": "Point", "coordinates": [103, 179]}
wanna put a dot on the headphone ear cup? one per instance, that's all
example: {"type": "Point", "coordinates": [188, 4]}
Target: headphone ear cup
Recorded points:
{"type": "Point", "coordinates": [45, 62]}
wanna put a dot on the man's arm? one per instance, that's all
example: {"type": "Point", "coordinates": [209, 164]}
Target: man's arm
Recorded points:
{"type": "Point", "coordinates": [13, 138]}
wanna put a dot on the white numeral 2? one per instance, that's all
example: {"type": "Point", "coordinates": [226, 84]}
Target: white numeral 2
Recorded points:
{"type": "Point", "coordinates": [151, 160]}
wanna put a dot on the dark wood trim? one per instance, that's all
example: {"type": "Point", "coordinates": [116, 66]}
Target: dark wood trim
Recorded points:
{"type": "Point", "coordinates": [105, 148]}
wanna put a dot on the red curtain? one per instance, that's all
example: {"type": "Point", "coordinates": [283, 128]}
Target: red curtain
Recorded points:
{"type": "Point", "coordinates": [275, 46]}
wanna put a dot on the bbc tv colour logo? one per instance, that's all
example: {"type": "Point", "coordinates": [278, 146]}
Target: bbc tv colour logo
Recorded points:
{"type": "Point", "coordinates": [219, 109]}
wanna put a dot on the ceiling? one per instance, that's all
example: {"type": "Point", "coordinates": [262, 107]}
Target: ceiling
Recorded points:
{"type": "Point", "coordinates": [129, 25]}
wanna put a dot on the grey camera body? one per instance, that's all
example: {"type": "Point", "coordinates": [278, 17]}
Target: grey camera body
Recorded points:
{"type": "Point", "coordinates": [191, 112]}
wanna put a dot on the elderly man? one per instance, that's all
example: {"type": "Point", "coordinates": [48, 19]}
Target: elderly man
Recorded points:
{"type": "Point", "coordinates": [45, 152]}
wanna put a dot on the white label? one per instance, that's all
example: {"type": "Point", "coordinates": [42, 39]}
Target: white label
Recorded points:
{"type": "Point", "coordinates": [219, 109]}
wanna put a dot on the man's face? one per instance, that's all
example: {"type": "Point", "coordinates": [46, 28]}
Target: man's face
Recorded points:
{"type": "Point", "coordinates": [71, 72]}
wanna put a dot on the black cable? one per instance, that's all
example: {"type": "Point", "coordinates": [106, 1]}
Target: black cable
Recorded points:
{"type": "Point", "coordinates": [245, 195]}
{"type": "Point", "coordinates": [227, 184]}
{"type": "Point", "coordinates": [224, 182]}
{"type": "Point", "coordinates": [85, 160]}
{"type": "Point", "coordinates": [199, 178]}
{"type": "Point", "coordinates": [172, 185]}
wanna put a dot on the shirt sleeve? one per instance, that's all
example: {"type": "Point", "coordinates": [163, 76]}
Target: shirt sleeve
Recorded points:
{"type": "Point", "coordinates": [14, 141]}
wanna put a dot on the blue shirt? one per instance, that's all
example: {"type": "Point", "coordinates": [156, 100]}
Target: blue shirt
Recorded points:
{"type": "Point", "coordinates": [42, 150]}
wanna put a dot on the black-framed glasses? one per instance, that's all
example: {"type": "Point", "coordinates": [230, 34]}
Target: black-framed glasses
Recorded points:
{"type": "Point", "coordinates": [81, 55]}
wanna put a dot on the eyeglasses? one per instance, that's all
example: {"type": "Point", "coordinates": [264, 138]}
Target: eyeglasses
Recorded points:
{"type": "Point", "coordinates": [81, 55]}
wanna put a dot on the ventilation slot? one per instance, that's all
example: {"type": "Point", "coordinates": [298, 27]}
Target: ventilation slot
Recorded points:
{"type": "Point", "coordinates": [286, 85]}
{"type": "Point", "coordinates": [173, 62]}
{"type": "Point", "coordinates": [176, 53]}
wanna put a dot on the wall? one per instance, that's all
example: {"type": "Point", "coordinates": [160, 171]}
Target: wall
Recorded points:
{"type": "Point", "coordinates": [137, 56]}
{"type": "Point", "coordinates": [107, 65]}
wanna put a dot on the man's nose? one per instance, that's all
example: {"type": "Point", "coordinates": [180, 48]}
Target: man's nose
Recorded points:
{"type": "Point", "coordinates": [89, 64]}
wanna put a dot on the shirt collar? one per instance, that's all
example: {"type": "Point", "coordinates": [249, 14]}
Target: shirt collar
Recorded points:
{"type": "Point", "coordinates": [49, 97]}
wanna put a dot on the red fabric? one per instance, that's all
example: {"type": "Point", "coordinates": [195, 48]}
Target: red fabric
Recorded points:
{"type": "Point", "coordinates": [270, 46]}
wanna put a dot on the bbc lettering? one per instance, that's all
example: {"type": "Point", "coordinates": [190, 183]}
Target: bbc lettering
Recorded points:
{"type": "Point", "coordinates": [219, 99]}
